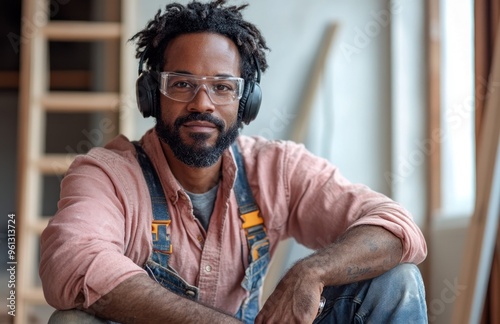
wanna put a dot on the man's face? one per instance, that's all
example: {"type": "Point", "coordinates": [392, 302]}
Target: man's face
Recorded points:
{"type": "Point", "coordinates": [199, 131]}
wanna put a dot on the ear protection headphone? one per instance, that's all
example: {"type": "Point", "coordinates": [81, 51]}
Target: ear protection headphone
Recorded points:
{"type": "Point", "coordinates": [252, 97]}
{"type": "Point", "coordinates": [146, 89]}
{"type": "Point", "coordinates": [148, 94]}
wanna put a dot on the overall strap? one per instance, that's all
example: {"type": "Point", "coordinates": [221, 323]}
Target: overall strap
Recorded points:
{"type": "Point", "coordinates": [253, 223]}
{"type": "Point", "coordinates": [162, 247]}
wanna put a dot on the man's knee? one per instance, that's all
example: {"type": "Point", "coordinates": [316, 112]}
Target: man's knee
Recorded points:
{"type": "Point", "coordinates": [405, 276]}
{"type": "Point", "coordinates": [74, 316]}
{"type": "Point", "coordinates": [396, 296]}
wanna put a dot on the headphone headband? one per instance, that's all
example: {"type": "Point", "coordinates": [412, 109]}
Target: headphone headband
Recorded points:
{"type": "Point", "coordinates": [257, 66]}
{"type": "Point", "coordinates": [142, 59]}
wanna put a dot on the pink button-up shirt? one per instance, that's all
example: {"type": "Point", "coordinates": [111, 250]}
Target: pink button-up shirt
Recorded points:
{"type": "Point", "coordinates": [101, 234]}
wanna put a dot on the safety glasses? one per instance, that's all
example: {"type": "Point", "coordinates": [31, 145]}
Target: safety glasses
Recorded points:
{"type": "Point", "coordinates": [184, 87]}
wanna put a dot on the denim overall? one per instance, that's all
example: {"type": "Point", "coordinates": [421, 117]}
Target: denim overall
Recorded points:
{"type": "Point", "coordinates": [258, 243]}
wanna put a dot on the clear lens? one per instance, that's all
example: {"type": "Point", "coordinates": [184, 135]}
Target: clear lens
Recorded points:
{"type": "Point", "coordinates": [184, 87]}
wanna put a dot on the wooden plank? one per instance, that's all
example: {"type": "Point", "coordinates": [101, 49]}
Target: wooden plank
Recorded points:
{"type": "Point", "coordinates": [482, 231]}
{"type": "Point", "coordinates": [80, 101]}
{"type": "Point", "coordinates": [302, 121]}
{"type": "Point", "coordinates": [434, 107]}
{"type": "Point", "coordinates": [299, 135]}
{"type": "Point", "coordinates": [54, 164]}
{"type": "Point", "coordinates": [81, 30]}
{"type": "Point", "coordinates": [433, 176]}
{"type": "Point", "coordinates": [38, 226]}
{"type": "Point", "coordinates": [128, 71]}
{"type": "Point", "coordinates": [71, 79]}
{"type": "Point", "coordinates": [35, 296]}
{"type": "Point", "coordinates": [494, 286]}
{"type": "Point", "coordinates": [33, 83]}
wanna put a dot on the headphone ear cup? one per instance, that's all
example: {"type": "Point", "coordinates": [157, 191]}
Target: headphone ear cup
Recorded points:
{"type": "Point", "coordinates": [250, 101]}
{"type": "Point", "coordinates": [147, 94]}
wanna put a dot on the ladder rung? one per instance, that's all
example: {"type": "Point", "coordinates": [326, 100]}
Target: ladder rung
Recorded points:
{"type": "Point", "coordinates": [34, 295]}
{"type": "Point", "coordinates": [80, 101]}
{"type": "Point", "coordinates": [55, 163]}
{"type": "Point", "coordinates": [81, 30]}
{"type": "Point", "coordinates": [39, 225]}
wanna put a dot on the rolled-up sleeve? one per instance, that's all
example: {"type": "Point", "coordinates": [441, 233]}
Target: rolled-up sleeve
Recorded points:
{"type": "Point", "coordinates": [307, 198]}
{"type": "Point", "coordinates": [92, 244]}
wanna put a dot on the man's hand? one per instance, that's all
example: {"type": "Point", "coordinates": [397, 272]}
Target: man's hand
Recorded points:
{"type": "Point", "coordinates": [296, 298]}
{"type": "Point", "coordinates": [361, 253]}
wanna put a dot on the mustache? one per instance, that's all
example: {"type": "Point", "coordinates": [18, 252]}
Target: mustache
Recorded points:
{"type": "Point", "coordinates": [200, 117]}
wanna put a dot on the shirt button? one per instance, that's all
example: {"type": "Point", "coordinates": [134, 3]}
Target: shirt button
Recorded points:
{"type": "Point", "coordinates": [208, 268]}
{"type": "Point", "coordinates": [190, 293]}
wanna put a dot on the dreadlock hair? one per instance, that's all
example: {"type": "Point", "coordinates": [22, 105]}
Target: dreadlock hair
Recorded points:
{"type": "Point", "coordinates": [202, 17]}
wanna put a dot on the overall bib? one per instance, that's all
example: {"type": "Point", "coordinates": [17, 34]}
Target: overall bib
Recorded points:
{"type": "Point", "coordinates": [258, 243]}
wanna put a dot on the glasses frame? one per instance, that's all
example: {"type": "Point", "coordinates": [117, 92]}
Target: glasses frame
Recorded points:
{"type": "Point", "coordinates": [201, 82]}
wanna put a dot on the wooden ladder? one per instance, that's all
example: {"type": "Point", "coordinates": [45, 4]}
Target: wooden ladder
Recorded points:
{"type": "Point", "coordinates": [35, 101]}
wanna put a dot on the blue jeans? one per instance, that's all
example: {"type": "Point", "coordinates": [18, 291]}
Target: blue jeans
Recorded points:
{"type": "Point", "coordinates": [397, 296]}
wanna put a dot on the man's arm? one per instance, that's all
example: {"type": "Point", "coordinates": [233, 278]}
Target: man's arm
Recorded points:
{"type": "Point", "coordinates": [139, 299]}
{"type": "Point", "coordinates": [361, 253]}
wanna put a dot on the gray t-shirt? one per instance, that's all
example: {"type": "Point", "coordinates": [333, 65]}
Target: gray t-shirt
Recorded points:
{"type": "Point", "coordinates": [203, 205]}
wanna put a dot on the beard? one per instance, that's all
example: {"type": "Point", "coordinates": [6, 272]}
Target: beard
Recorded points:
{"type": "Point", "coordinates": [198, 154]}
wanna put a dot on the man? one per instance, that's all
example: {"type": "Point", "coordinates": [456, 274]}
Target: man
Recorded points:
{"type": "Point", "coordinates": [180, 227]}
